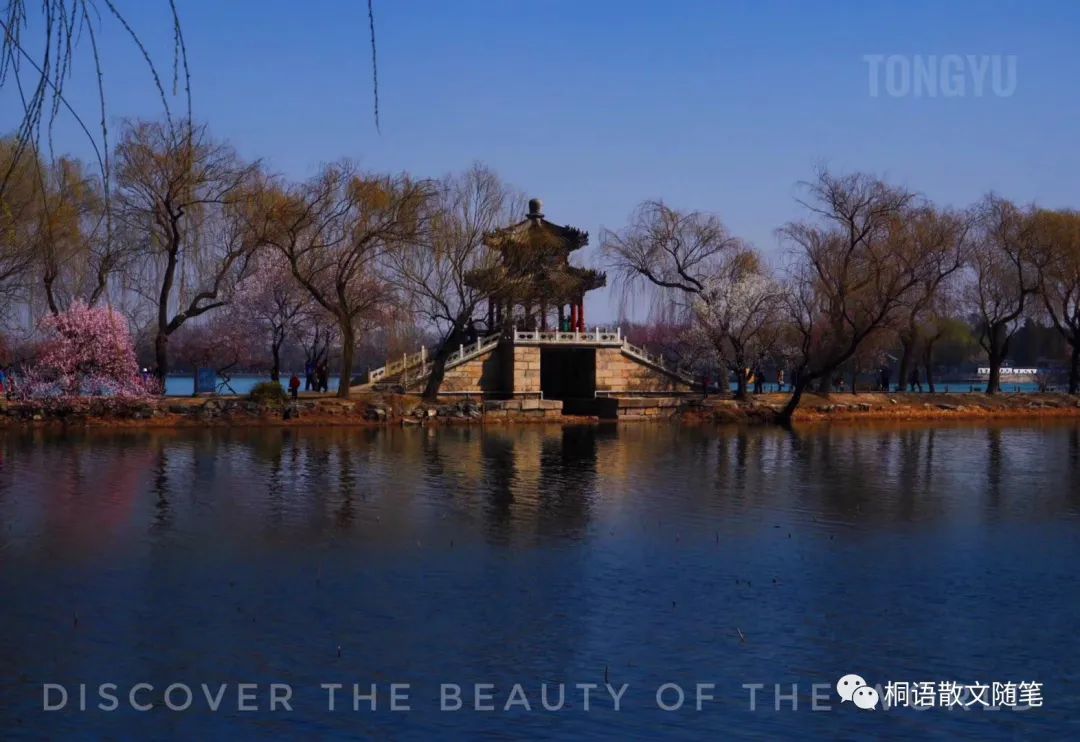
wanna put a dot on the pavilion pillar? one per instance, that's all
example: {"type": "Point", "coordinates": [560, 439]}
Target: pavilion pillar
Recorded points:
{"type": "Point", "coordinates": [543, 315]}
{"type": "Point", "coordinates": [573, 317]}
{"type": "Point", "coordinates": [581, 314]}
{"type": "Point", "coordinates": [561, 315]}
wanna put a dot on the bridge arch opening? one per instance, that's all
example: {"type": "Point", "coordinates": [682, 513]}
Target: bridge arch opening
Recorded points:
{"type": "Point", "coordinates": [568, 373]}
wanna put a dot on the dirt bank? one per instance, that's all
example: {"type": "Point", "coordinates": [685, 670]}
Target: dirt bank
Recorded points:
{"type": "Point", "coordinates": [310, 410]}
{"type": "Point", "coordinates": [388, 409]}
{"type": "Point", "coordinates": [879, 406]}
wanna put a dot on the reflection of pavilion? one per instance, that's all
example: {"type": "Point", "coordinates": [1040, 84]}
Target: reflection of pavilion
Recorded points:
{"type": "Point", "coordinates": [536, 341]}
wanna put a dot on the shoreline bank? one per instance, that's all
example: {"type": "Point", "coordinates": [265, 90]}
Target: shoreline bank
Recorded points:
{"type": "Point", "coordinates": [377, 410]}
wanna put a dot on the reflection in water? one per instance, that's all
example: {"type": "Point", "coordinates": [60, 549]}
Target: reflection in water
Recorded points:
{"type": "Point", "coordinates": [531, 554]}
{"type": "Point", "coordinates": [162, 517]}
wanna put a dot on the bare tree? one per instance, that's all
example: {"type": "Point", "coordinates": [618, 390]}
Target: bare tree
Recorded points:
{"type": "Point", "coordinates": [1056, 236]}
{"type": "Point", "coordinates": [333, 230]}
{"type": "Point", "coordinates": [702, 277]}
{"type": "Point", "coordinates": [1002, 279]}
{"type": "Point", "coordinates": [667, 250]}
{"type": "Point", "coordinates": [850, 275]}
{"type": "Point", "coordinates": [271, 304]}
{"type": "Point", "coordinates": [317, 332]}
{"type": "Point", "coordinates": [737, 316]}
{"type": "Point", "coordinates": [186, 197]}
{"type": "Point", "coordinates": [432, 272]}
{"type": "Point", "coordinates": [941, 237]}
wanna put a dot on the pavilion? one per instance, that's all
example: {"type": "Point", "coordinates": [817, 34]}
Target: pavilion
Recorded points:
{"type": "Point", "coordinates": [535, 343]}
{"type": "Point", "coordinates": [534, 287]}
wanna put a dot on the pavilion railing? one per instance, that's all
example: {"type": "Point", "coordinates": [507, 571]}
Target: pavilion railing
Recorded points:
{"type": "Point", "coordinates": [597, 336]}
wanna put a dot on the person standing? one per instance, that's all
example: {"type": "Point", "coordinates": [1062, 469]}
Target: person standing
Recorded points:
{"type": "Point", "coordinates": [294, 386]}
{"type": "Point", "coordinates": [780, 380]}
{"type": "Point", "coordinates": [309, 377]}
{"type": "Point", "coordinates": [323, 380]}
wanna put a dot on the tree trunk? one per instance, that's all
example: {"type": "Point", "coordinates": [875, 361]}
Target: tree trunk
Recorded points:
{"type": "Point", "coordinates": [928, 362]}
{"type": "Point", "coordinates": [999, 347]}
{"type": "Point", "coordinates": [740, 384]}
{"type": "Point", "coordinates": [50, 294]}
{"type": "Point", "coordinates": [277, 339]}
{"type": "Point", "coordinates": [788, 412]}
{"type": "Point", "coordinates": [438, 370]}
{"type": "Point", "coordinates": [993, 384]}
{"type": "Point", "coordinates": [854, 380]}
{"type": "Point", "coordinates": [348, 347]}
{"type": "Point", "coordinates": [1074, 368]}
{"type": "Point", "coordinates": [275, 368]}
{"type": "Point", "coordinates": [907, 350]}
{"type": "Point", "coordinates": [161, 355]}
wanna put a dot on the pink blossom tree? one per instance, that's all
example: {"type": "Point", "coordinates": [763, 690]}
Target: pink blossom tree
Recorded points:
{"type": "Point", "coordinates": [85, 352]}
{"type": "Point", "coordinates": [272, 304]}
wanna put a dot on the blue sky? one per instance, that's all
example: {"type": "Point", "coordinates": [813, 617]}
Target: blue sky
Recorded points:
{"type": "Point", "coordinates": [594, 106]}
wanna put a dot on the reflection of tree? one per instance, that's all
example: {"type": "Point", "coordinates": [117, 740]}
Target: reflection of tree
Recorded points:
{"type": "Point", "coordinates": [275, 484]}
{"type": "Point", "coordinates": [163, 516]}
{"type": "Point", "coordinates": [1073, 468]}
{"type": "Point", "coordinates": [909, 442]}
{"type": "Point", "coordinates": [995, 466]}
{"type": "Point", "coordinates": [499, 457]}
{"type": "Point", "coordinates": [346, 484]}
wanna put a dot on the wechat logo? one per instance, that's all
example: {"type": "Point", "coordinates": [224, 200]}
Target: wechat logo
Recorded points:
{"type": "Point", "coordinates": [854, 688]}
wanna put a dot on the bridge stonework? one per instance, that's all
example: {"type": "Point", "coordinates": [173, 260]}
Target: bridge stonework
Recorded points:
{"type": "Point", "coordinates": [618, 372]}
{"type": "Point", "coordinates": [511, 367]}
{"type": "Point", "coordinates": [483, 373]}
{"type": "Point", "coordinates": [526, 369]}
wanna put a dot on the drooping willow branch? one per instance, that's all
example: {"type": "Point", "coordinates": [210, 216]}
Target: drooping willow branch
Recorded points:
{"type": "Point", "coordinates": [54, 57]}
{"type": "Point", "coordinates": [374, 63]}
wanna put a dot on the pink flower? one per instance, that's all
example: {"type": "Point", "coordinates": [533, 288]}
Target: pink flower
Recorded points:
{"type": "Point", "coordinates": [85, 352]}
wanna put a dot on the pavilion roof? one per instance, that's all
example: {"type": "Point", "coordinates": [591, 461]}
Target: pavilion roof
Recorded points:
{"type": "Point", "coordinates": [535, 262]}
{"type": "Point", "coordinates": [535, 233]}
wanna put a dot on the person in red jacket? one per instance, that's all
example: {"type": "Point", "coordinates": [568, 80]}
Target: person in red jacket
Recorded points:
{"type": "Point", "coordinates": [294, 386]}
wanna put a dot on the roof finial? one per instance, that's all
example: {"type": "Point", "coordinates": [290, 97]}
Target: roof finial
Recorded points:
{"type": "Point", "coordinates": [535, 208]}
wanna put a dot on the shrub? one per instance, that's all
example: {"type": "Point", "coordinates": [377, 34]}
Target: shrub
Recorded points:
{"type": "Point", "coordinates": [269, 393]}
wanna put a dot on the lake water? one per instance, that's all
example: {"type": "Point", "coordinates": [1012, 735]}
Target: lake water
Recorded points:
{"type": "Point", "coordinates": [644, 554]}
{"type": "Point", "coordinates": [183, 386]}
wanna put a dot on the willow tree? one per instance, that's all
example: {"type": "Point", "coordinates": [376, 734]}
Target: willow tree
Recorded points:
{"type": "Point", "coordinates": [1003, 278]}
{"type": "Point", "coordinates": [20, 204]}
{"type": "Point", "coordinates": [432, 272]}
{"type": "Point", "coordinates": [701, 274]}
{"type": "Point", "coordinates": [851, 273]}
{"type": "Point", "coordinates": [940, 236]}
{"type": "Point", "coordinates": [1056, 242]}
{"type": "Point", "coordinates": [334, 230]}
{"type": "Point", "coordinates": [185, 198]}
